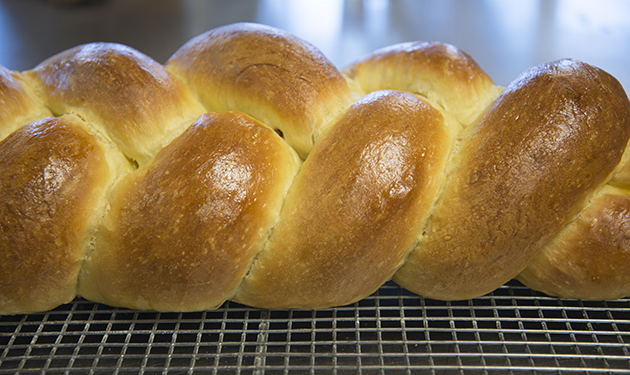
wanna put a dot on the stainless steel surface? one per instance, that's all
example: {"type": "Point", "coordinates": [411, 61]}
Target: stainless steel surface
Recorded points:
{"type": "Point", "coordinates": [511, 331]}
{"type": "Point", "coordinates": [514, 330]}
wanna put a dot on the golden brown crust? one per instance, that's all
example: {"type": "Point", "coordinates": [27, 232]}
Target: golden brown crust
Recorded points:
{"type": "Point", "coordinates": [589, 258]}
{"type": "Point", "coordinates": [355, 209]}
{"type": "Point", "coordinates": [523, 172]}
{"type": "Point", "coordinates": [52, 175]}
{"type": "Point", "coordinates": [444, 74]}
{"type": "Point", "coordinates": [126, 94]}
{"type": "Point", "coordinates": [182, 231]}
{"type": "Point", "coordinates": [267, 73]}
{"type": "Point", "coordinates": [18, 104]}
{"type": "Point", "coordinates": [434, 177]}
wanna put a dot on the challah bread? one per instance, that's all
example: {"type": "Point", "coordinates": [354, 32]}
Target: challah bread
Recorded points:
{"type": "Point", "coordinates": [183, 229]}
{"type": "Point", "coordinates": [18, 103]}
{"type": "Point", "coordinates": [356, 208]}
{"type": "Point", "coordinates": [267, 73]}
{"type": "Point", "coordinates": [442, 73]}
{"type": "Point", "coordinates": [521, 173]}
{"type": "Point", "coordinates": [249, 168]}
{"type": "Point", "coordinates": [131, 98]}
{"type": "Point", "coordinates": [588, 259]}
{"type": "Point", "coordinates": [53, 175]}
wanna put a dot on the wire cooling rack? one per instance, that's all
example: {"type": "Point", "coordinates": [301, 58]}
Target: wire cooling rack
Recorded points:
{"type": "Point", "coordinates": [511, 331]}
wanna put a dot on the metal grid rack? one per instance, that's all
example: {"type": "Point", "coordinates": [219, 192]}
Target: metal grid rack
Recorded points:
{"type": "Point", "coordinates": [513, 330]}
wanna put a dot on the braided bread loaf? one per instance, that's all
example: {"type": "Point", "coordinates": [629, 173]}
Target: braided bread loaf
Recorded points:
{"type": "Point", "coordinates": [249, 168]}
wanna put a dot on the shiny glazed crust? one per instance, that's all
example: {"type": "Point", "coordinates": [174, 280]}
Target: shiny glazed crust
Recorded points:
{"type": "Point", "coordinates": [215, 192]}
{"type": "Point", "coordinates": [267, 73]}
{"type": "Point", "coordinates": [521, 173]}
{"type": "Point", "coordinates": [441, 72]}
{"type": "Point", "coordinates": [132, 98]}
{"type": "Point", "coordinates": [249, 168]}
{"type": "Point", "coordinates": [357, 207]}
{"type": "Point", "coordinates": [51, 174]}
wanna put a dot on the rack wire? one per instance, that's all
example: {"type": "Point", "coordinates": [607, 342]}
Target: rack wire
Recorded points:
{"type": "Point", "coordinates": [511, 331]}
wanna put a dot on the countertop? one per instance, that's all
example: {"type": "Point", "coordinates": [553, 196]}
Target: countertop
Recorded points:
{"type": "Point", "coordinates": [504, 36]}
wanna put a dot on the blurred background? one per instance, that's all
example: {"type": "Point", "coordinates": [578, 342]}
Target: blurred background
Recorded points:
{"type": "Point", "coordinates": [504, 36]}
